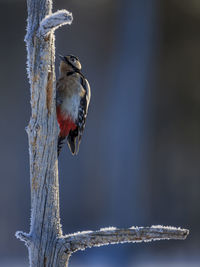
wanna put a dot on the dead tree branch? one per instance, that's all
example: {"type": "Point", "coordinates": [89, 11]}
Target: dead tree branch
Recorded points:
{"type": "Point", "coordinates": [112, 235]}
{"type": "Point", "coordinates": [54, 21]}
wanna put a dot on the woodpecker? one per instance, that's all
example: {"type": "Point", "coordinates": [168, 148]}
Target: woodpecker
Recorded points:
{"type": "Point", "coordinates": [72, 101]}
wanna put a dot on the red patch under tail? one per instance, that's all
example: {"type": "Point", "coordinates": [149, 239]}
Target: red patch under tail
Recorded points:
{"type": "Point", "coordinates": [66, 123]}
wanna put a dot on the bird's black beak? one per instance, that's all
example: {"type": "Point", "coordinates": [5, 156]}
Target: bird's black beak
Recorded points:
{"type": "Point", "coordinates": [62, 58]}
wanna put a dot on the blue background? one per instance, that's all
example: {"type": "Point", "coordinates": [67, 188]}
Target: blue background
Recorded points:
{"type": "Point", "coordinates": [138, 162]}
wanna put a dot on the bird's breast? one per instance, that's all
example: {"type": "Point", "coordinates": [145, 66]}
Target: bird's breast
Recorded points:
{"type": "Point", "coordinates": [70, 92]}
{"type": "Point", "coordinates": [70, 106]}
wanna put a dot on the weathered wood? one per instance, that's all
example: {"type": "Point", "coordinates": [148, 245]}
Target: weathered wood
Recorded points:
{"type": "Point", "coordinates": [46, 244]}
{"type": "Point", "coordinates": [112, 235]}
{"type": "Point", "coordinates": [42, 132]}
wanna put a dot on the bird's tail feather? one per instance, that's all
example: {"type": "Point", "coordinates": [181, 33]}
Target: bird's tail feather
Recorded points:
{"type": "Point", "coordinates": [60, 143]}
{"type": "Point", "coordinates": [72, 141]}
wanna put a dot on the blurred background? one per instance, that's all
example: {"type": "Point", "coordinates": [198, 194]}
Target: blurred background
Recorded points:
{"type": "Point", "coordinates": [139, 160]}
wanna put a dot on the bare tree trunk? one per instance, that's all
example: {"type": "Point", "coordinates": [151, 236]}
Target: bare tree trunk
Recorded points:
{"type": "Point", "coordinates": [46, 244]}
{"type": "Point", "coordinates": [42, 240]}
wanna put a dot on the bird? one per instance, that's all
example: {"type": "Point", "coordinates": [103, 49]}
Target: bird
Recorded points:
{"type": "Point", "coordinates": [72, 100]}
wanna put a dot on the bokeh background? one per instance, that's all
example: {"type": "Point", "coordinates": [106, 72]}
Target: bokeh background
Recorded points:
{"type": "Point", "coordinates": [139, 161]}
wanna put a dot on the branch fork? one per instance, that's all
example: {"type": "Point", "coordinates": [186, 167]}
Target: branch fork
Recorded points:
{"type": "Point", "coordinates": [71, 243]}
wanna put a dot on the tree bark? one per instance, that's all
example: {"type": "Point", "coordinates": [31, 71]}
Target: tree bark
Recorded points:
{"type": "Point", "coordinates": [42, 132]}
{"type": "Point", "coordinates": [46, 244]}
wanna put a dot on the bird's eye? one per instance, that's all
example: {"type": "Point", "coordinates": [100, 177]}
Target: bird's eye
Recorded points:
{"type": "Point", "coordinates": [73, 59]}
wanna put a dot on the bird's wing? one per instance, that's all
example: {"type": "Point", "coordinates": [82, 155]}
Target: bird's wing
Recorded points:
{"type": "Point", "coordinates": [83, 108]}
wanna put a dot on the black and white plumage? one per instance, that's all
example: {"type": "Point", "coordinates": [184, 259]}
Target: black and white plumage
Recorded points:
{"type": "Point", "coordinates": [72, 101]}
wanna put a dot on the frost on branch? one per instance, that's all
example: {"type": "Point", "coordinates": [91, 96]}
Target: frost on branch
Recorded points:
{"type": "Point", "coordinates": [112, 235]}
{"type": "Point", "coordinates": [23, 237]}
{"type": "Point", "coordinates": [54, 21]}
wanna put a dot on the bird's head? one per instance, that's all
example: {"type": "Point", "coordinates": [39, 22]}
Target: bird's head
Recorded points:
{"type": "Point", "coordinates": [71, 62]}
